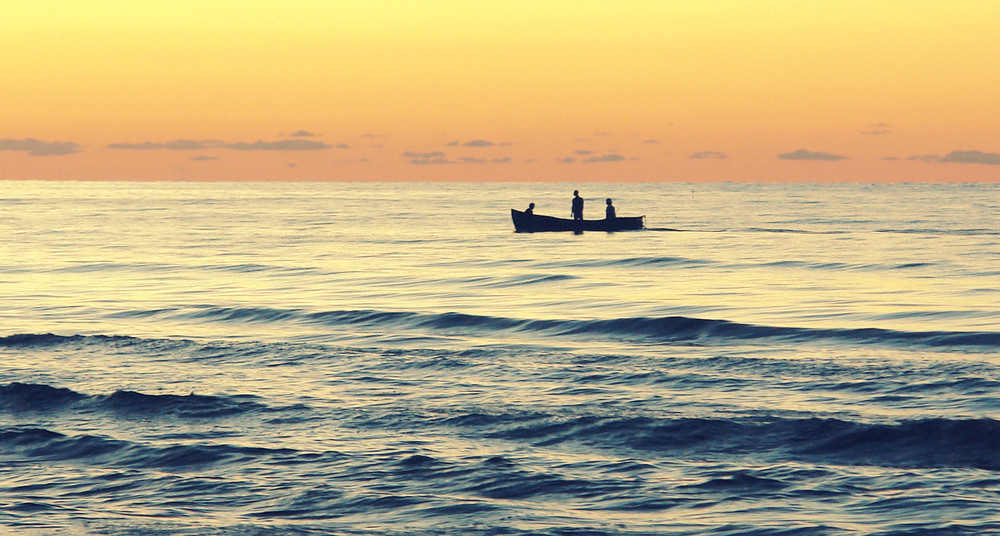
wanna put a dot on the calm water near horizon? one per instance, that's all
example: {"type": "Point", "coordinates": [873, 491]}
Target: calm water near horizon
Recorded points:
{"type": "Point", "coordinates": [392, 358]}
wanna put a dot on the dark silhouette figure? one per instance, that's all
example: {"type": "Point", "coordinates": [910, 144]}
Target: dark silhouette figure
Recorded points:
{"type": "Point", "coordinates": [610, 212]}
{"type": "Point", "coordinates": [531, 209]}
{"type": "Point", "coordinates": [577, 205]}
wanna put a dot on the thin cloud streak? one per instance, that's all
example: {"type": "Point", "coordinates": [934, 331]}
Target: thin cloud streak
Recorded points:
{"type": "Point", "coordinates": [878, 129]}
{"type": "Point", "coordinates": [439, 158]}
{"type": "Point", "coordinates": [199, 145]}
{"type": "Point", "coordinates": [175, 145]}
{"type": "Point", "coordinates": [709, 155]}
{"type": "Point", "coordinates": [605, 158]}
{"type": "Point", "coordinates": [803, 154]}
{"type": "Point", "coordinates": [476, 143]}
{"type": "Point", "coordinates": [611, 157]}
{"type": "Point", "coordinates": [38, 147]}
{"type": "Point", "coordinates": [283, 145]}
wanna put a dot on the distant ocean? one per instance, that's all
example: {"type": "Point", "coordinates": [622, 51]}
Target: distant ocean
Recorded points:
{"type": "Point", "coordinates": [393, 359]}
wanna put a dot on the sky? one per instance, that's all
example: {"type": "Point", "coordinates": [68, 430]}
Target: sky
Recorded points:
{"type": "Point", "coordinates": [511, 90]}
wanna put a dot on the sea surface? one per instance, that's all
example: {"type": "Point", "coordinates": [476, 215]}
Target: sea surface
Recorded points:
{"type": "Point", "coordinates": [393, 359]}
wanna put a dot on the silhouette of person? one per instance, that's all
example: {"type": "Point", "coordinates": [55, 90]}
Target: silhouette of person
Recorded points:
{"type": "Point", "coordinates": [531, 209]}
{"type": "Point", "coordinates": [577, 205]}
{"type": "Point", "coordinates": [610, 212]}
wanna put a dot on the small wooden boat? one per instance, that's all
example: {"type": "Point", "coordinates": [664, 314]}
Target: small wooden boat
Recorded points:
{"type": "Point", "coordinates": [535, 223]}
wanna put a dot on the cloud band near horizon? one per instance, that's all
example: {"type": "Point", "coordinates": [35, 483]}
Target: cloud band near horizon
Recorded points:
{"type": "Point", "coordinates": [972, 157]}
{"type": "Point", "coordinates": [38, 147]}
{"type": "Point", "coordinates": [198, 145]}
{"type": "Point", "coordinates": [803, 154]}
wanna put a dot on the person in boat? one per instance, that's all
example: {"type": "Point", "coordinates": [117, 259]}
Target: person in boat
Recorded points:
{"type": "Point", "coordinates": [531, 209]}
{"type": "Point", "coordinates": [610, 212]}
{"type": "Point", "coordinates": [577, 205]}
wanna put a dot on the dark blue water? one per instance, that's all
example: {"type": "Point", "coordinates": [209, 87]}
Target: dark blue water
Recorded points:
{"type": "Point", "coordinates": [341, 359]}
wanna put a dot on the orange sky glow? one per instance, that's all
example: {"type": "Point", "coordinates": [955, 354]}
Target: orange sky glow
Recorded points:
{"type": "Point", "coordinates": [387, 90]}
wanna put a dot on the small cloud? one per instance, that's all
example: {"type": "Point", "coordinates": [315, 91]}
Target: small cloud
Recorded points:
{"type": "Point", "coordinates": [284, 145]}
{"type": "Point", "coordinates": [604, 134]}
{"type": "Point", "coordinates": [583, 153]}
{"type": "Point", "coordinates": [427, 159]}
{"type": "Point", "coordinates": [302, 134]}
{"type": "Point", "coordinates": [187, 145]}
{"type": "Point", "coordinates": [175, 145]}
{"type": "Point", "coordinates": [430, 161]}
{"type": "Point", "coordinates": [199, 145]}
{"type": "Point", "coordinates": [40, 148]}
{"type": "Point", "coordinates": [203, 158]}
{"type": "Point", "coordinates": [471, 143]}
{"type": "Point", "coordinates": [972, 157]}
{"type": "Point", "coordinates": [137, 146]}
{"type": "Point", "coordinates": [568, 160]}
{"type": "Point", "coordinates": [709, 154]}
{"type": "Point", "coordinates": [343, 146]}
{"type": "Point", "coordinates": [437, 158]}
{"type": "Point", "coordinates": [373, 135]}
{"type": "Point", "coordinates": [803, 154]}
{"type": "Point", "coordinates": [651, 141]}
{"type": "Point", "coordinates": [877, 129]}
{"type": "Point", "coordinates": [890, 158]}
{"type": "Point", "coordinates": [605, 158]}
{"type": "Point", "coordinates": [924, 158]}
{"type": "Point", "coordinates": [292, 165]}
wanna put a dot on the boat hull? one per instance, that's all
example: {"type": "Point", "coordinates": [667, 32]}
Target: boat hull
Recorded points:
{"type": "Point", "coordinates": [536, 223]}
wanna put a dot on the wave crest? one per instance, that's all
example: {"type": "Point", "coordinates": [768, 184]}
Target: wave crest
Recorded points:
{"type": "Point", "coordinates": [45, 398]}
{"type": "Point", "coordinates": [916, 443]}
{"type": "Point", "coordinates": [641, 330]}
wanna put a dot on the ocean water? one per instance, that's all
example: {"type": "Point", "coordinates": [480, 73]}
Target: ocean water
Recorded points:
{"type": "Point", "coordinates": [369, 359]}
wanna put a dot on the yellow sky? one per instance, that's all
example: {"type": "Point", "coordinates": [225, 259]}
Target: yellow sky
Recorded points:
{"type": "Point", "coordinates": [582, 90]}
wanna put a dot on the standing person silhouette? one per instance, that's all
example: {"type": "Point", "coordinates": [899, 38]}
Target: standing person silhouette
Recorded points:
{"type": "Point", "coordinates": [577, 205]}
